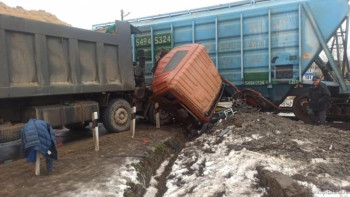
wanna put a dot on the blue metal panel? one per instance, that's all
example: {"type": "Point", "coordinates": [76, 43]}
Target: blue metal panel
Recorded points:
{"type": "Point", "coordinates": [182, 35]}
{"type": "Point", "coordinates": [267, 46]}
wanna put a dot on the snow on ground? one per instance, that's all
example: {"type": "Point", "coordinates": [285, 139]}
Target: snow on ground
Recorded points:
{"type": "Point", "coordinates": [152, 189]}
{"type": "Point", "coordinates": [208, 167]}
{"type": "Point", "coordinates": [319, 193]}
{"type": "Point", "coordinates": [112, 185]}
{"type": "Point", "coordinates": [205, 168]}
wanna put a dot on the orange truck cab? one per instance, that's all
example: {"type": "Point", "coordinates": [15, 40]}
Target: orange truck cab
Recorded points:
{"type": "Point", "coordinates": [187, 84]}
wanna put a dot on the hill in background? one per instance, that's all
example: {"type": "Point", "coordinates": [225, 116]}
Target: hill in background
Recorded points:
{"type": "Point", "coordinates": [39, 15]}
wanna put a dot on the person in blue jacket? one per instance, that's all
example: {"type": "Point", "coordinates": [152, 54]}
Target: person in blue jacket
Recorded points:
{"type": "Point", "coordinates": [38, 135]}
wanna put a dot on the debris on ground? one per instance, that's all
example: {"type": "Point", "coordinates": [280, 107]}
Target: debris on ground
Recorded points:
{"type": "Point", "coordinates": [39, 15]}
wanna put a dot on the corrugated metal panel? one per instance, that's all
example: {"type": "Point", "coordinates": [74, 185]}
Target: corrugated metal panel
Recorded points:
{"type": "Point", "coordinates": [194, 80]}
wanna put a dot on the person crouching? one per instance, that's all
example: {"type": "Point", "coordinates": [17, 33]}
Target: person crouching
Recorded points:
{"type": "Point", "coordinates": [319, 96]}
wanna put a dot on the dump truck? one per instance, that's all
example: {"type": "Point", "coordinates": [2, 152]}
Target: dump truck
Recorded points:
{"type": "Point", "coordinates": [264, 45]}
{"type": "Point", "coordinates": [63, 74]}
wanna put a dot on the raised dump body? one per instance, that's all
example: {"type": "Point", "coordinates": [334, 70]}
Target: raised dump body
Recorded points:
{"type": "Point", "coordinates": [62, 74]}
{"type": "Point", "coordinates": [186, 79]}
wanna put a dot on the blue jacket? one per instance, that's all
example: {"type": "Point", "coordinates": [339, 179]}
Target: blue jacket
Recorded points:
{"type": "Point", "coordinates": [38, 135]}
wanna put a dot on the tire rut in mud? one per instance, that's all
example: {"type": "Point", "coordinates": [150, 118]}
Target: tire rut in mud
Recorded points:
{"type": "Point", "coordinates": [148, 166]}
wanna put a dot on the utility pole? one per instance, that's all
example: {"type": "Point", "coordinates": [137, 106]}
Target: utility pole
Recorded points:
{"type": "Point", "coordinates": [122, 15]}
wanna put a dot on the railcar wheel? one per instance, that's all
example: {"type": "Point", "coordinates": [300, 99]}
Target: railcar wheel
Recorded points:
{"type": "Point", "coordinates": [117, 116]}
{"type": "Point", "coordinates": [300, 105]}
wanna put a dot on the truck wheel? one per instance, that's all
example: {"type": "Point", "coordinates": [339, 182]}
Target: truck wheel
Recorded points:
{"type": "Point", "coordinates": [116, 117]}
{"type": "Point", "coordinates": [300, 104]}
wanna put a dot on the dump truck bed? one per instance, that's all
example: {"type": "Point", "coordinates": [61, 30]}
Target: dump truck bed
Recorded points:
{"type": "Point", "coordinates": [41, 59]}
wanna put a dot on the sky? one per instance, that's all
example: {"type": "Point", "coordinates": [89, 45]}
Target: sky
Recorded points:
{"type": "Point", "coordinates": [85, 13]}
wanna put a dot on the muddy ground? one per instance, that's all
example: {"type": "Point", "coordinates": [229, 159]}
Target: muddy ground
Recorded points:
{"type": "Point", "coordinates": [324, 148]}
{"type": "Point", "coordinates": [81, 171]}
{"type": "Point", "coordinates": [261, 154]}
{"type": "Point", "coordinates": [248, 154]}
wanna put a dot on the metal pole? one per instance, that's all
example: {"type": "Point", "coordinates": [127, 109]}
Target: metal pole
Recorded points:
{"type": "Point", "coordinates": [133, 122]}
{"type": "Point", "coordinates": [270, 51]}
{"type": "Point", "coordinates": [347, 39]}
{"type": "Point", "coordinates": [172, 35]}
{"type": "Point", "coordinates": [134, 47]}
{"type": "Point", "coordinates": [156, 110]}
{"type": "Point", "coordinates": [346, 61]}
{"type": "Point", "coordinates": [300, 45]}
{"type": "Point", "coordinates": [216, 44]}
{"type": "Point", "coordinates": [342, 65]}
{"type": "Point", "coordinates": [242, 47]}
{"type": "Point", "coordinates": [337, 46]}
{"type": "Point", "coordinates": [152, 46]}
{"type": "Point", "coordinates": [193, 32]}
{"type": "Point", "coordinates": [37, 163]}
{"type": "Point", "coordinates": [121, 15]}
{"type": "Point", "coordinates": [95, 130]}
{"type": "Point", "coordinates": [332, 47]}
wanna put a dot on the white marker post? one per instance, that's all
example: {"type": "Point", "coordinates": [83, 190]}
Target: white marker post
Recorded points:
{"type": "Point", "coordinates": [133, 122]}
{"type": "Point", "coordinates": [37, 163]}
{"type": "Point", "coordinates": [95, 131]}
{"type": "Point", "coordinates": [156, 111]}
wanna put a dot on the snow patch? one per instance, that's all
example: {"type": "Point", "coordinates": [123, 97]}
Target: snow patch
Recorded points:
{"type": "Point", "coordinates": [319, 193]}
{"type": "Point", "coordinates": [152, 189]}
{"type": "Point", "coordinates": [114, 185]}
{"type": "Point", "coordinates": [223, 171]}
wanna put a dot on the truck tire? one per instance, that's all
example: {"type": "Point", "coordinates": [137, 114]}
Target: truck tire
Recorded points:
{"type": "Point", "coordinates": [117, 116]}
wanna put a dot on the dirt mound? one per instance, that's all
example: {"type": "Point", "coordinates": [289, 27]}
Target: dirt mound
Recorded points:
{"type": "Point", "coordinates": [39, 15]}
{"type": "Point", "coordinates": [325, 148]}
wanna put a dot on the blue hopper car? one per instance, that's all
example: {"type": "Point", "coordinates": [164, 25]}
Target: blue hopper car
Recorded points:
{"type": "Point", "coordinates": [264, 45]}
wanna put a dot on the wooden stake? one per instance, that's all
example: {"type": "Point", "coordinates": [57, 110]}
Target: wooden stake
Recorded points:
{"type": "Point", "coordinates": [37, 163]}
{"type": "Point", "coordinates": [95, 131]}
{"type": "Point", "coordinates": [133, 122]}
{"type": "Point", "coordinates": [156, 108]}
